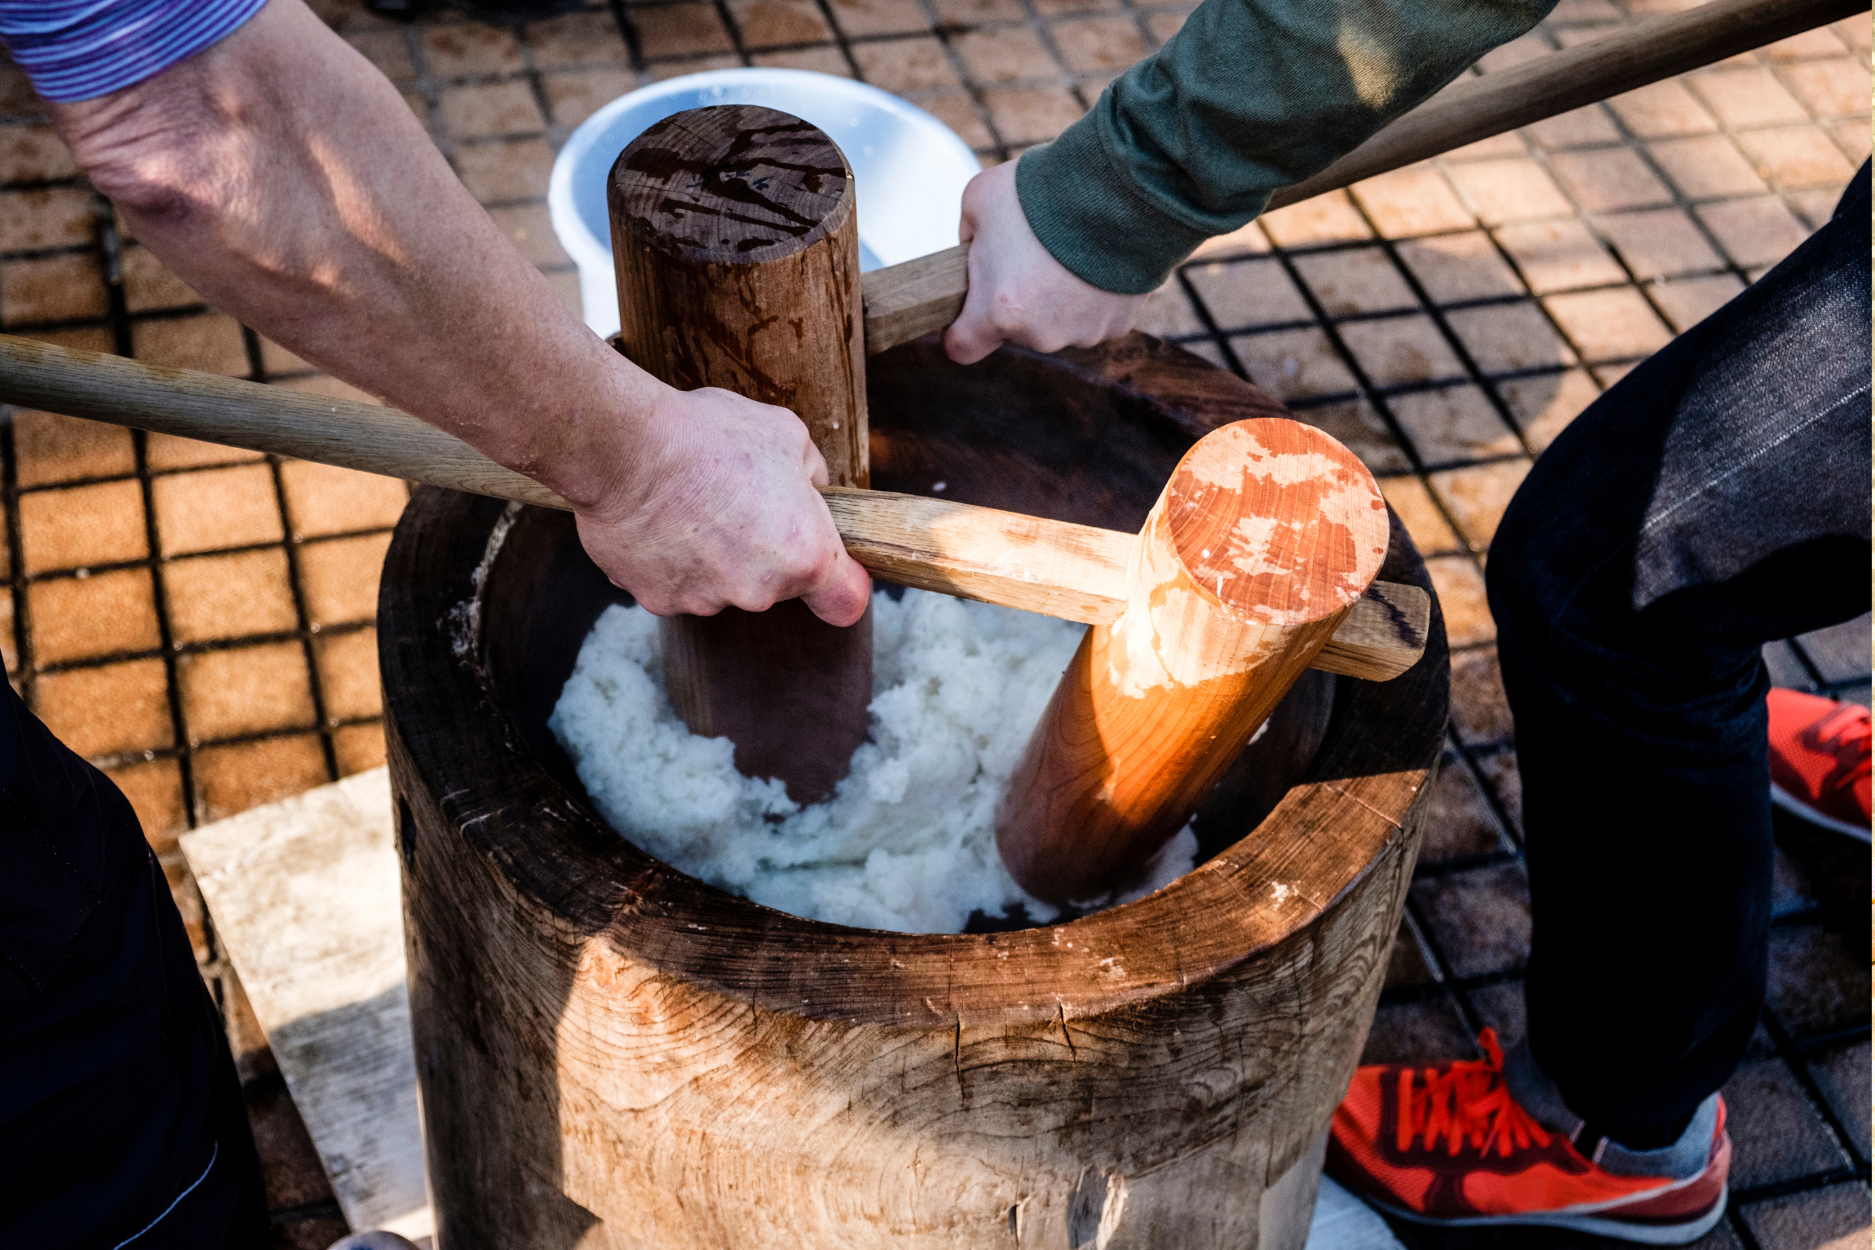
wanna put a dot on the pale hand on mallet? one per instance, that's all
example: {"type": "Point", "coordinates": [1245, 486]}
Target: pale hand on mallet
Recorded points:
{"type": "Point", "coordinates": [716, 508]}
{"type": "Point", "coordinates": [1018, 292]}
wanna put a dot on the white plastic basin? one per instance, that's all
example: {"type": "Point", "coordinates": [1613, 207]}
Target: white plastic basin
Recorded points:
{"type": "Point", "coordinates": [909, 168]}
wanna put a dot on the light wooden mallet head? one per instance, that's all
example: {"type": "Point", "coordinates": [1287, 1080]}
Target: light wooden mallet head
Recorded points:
{"type": "Point", "coordinates": [1266, 536]}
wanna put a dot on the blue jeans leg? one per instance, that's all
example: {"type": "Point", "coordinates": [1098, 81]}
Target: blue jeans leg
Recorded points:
{"type": "Point", "coordinates": [1712, 501]}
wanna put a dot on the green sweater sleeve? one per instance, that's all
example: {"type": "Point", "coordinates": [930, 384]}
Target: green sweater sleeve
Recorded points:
{"type": "Point", "coordinates": [1249, 96]}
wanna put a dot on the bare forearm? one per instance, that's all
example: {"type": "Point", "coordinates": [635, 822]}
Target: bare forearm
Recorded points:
{"type": "Point", "coordinates": [281, 175]}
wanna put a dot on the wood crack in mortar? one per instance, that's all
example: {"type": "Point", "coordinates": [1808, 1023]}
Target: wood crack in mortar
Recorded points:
{"type": "Point", "coordinates": [1355, 798]}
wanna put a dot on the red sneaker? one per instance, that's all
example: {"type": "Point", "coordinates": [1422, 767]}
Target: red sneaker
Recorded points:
{"type": "Point", "coordinates": [1820, 760]}
{"type": "Point", "coordinates": [1450, 1146]}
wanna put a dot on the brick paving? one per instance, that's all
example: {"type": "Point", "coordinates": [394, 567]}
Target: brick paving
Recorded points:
{"type": "Point", "coordinates": [198, 621]}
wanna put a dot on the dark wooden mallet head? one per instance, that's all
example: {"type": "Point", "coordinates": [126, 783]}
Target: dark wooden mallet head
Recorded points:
{"type": "Point", "coordinates": [737, 247]}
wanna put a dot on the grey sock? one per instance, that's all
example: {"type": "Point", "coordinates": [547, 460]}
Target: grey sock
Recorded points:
{"type": "Point", "coordinates": [1681, 1159]}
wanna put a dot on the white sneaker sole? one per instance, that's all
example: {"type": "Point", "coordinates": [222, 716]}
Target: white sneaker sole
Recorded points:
{"type": "Point", "coordinates": [1620, 1230]}
{"type": "Point", "coordinates": [1803, 811]}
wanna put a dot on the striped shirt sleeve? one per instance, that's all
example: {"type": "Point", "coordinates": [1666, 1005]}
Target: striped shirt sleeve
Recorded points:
{"type": "Point", "coordinates": [81, 49]}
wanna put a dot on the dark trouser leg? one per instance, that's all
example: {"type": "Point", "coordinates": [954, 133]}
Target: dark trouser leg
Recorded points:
{"type": "Point", "coordinates": [228, 1210]}
{"type": "Point", "coordinates": [121, 1118]}
{"type": "Point", "coordinates": [1714, 500]}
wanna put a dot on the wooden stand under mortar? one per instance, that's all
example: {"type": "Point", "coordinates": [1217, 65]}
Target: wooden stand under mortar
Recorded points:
{"type": "Point", "coordinates": [737, 248]}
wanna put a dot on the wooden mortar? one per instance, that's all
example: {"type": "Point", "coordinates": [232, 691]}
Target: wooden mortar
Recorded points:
{"type": "Point", "coordinates": [613, 1054]}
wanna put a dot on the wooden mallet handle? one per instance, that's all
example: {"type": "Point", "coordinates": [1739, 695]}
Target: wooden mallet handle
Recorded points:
{"type": "Point", "coordinates": [1071, 571]}
{"type": "Point", "coordinates": [1077, 572]}
{"type": "Point", "coordinates": [925, 294]}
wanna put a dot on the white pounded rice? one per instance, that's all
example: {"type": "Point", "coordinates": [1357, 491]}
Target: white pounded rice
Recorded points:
{"type": "Point", "coordinates": [907, 841]}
